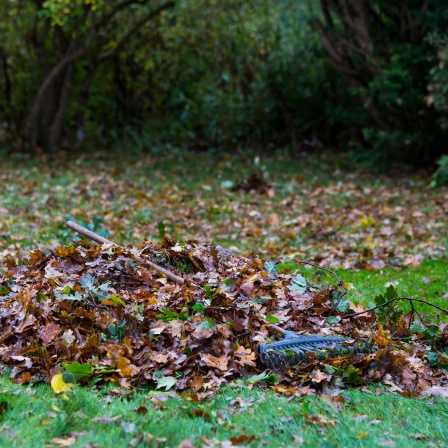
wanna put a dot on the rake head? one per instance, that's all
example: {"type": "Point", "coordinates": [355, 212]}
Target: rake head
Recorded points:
{"type": "Point", "coordinates": [295, 349]}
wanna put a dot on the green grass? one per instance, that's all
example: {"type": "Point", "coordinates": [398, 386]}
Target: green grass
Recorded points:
{"type": "Point", "coordinates": [136, 198]}
{"type": "Point", "coordinates": [34, 416]}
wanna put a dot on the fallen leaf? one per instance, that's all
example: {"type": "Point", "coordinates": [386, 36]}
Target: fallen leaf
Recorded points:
{"type": "Point", "coordinates": [68, 441]}
{"type": "Point", "coordinates": [58, 384]}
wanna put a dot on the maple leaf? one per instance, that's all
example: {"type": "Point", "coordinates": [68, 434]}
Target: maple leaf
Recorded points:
{"type": "Point", "coordinates": [245, 356]}
{"type": "Point", "coordinates": [219, 363]}
{"type": "Point", "coordinates": [48, 333]}
{"type": "Point", "coordinates": [126, 368]}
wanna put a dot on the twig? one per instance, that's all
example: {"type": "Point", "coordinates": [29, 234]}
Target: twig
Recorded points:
{"type": "Point", "coordinates": [322, 269]}
{"type": "Point", "coordinates": [337, 303]}
{"type": "Point", "coordinates": [340, 283]}
{"type": "Point", "coordinates": [99, 239]}
{"type": "Point", "coordinates": [411, 299]}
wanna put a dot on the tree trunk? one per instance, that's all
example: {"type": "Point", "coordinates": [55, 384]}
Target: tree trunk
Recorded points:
{"type": "Point", "coordinates": [55, 129]}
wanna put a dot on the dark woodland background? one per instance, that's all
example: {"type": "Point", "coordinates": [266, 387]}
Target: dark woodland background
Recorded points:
{"type": "Point", "coordinates": [368, 77]}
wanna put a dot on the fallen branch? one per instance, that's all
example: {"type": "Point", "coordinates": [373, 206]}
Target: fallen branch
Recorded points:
{"type": "Point", "coordinates": [410, 299]}
{"type": "Point", "coordinates": [99, 239]}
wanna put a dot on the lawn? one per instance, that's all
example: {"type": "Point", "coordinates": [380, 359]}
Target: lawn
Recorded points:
{"type": "Point", "coordinates": [372, 230]}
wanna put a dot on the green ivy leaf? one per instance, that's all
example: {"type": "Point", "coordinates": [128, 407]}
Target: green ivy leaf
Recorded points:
{"type": "Point", "coordinates": [343, 306]}
{"type": "Point", "coordinates": [87, 282]}
{"type": "Point", "coordinates": [391, 293]}
{"type": "Point", "coordinates": [298, 283]}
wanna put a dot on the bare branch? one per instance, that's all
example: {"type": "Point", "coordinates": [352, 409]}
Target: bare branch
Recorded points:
{"type": "Point", "coordinates": [410, 299]}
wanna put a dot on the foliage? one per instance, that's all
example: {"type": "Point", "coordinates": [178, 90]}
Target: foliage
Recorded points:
{"type": "Point", "coordinates": [226, 74]}
{"type": "Point", "coordinates": [381, 50]}
{"type": "Point", "coordinates": [245, 76]}
{"type": "Point", "coordinates": [53, 46]}
{"type": "Point", "coordinates": [440, 177]}
{"type": "Point", "coordinates": [438, 86]}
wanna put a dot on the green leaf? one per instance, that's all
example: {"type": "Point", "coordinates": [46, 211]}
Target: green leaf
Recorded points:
{"type": "Point", "coordinates": [208, 324]}
{"type": "Point", "coordinates": [432, 332]}
{"type": "Point", "coordinates": [264, 376]}
{"type": "Point", "coordinates": [271, 268]}
{"type": "Point", "coordinates": [417, 327]}
{"type": "Point", "coordinates": [298, 283]}
{"type": "Point", "coordinates": [66, 289]}
{"type": "Point", "coordinates": [379, 299]}
{"type": "Point", "coordinates": [343, 306]}
{"type": "Point", "coordinates": [332, 320]}
{"type": "Point", "coordinates": [433, 358]}
{"type": "Point", "coordinates": [102, 291]}
{"type": "Point", "coordinates": [167, 315]}
{"type": "Point", "coordinates": [3, 291]}
{"type": "Point", "coordinates": [350, 375]}
{"type": "Point", "coordinates": [272, 319]}
{"type": "Point", "coordinates": [209, 291]}
{"type": "Point", "coordinates": [76, 371]}
{"type": "Point", "coordinates": [329, 369]}
{"type": "Point", "coordinates": [391, 293]}
{"type": "Point", "coordinates": [167, 382]}
{"type": "Point", "coordinates": [198, 307]}
{"type": "Point", "coordinates": [259, 300]}
{"type": "Point", "coordinates": [87, 282]}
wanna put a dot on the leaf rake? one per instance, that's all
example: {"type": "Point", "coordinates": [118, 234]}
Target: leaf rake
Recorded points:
{"type": "Point", "coordinates": [295, 349]}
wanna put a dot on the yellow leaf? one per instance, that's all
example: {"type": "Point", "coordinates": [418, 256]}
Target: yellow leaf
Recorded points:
{"type": "Point", "coordinates": [348, 286]}
{"type": "Point", "coordinates": [58, 384]}
{"type": "Point", "coordinates": [367, 221]}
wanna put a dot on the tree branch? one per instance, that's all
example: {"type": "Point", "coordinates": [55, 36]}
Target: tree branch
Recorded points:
{"type": "Point", "coordinates": [410, 299]}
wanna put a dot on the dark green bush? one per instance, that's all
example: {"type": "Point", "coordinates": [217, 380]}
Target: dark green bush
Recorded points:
{"type": "Point", "coordinates": [381, 49]}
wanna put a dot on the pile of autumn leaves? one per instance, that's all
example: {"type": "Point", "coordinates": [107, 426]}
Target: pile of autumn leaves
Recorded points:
{"type": "Point", "coordinates": [92, 313]}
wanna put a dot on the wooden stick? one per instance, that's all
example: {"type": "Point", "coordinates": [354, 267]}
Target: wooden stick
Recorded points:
{"type": "Point", "coordinates": [277, 328]}
{"type": "Point", "coordinates": [99, 239]}
{"type": "Point", "coordinates": [88, 233]}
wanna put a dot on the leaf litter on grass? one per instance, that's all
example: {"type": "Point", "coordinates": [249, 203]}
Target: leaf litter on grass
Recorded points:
{"type": "Point", "coordinates": [335, 219]}
{"type": "Point", "coordinates": [92, 313]}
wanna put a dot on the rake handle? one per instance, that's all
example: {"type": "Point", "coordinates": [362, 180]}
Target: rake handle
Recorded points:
{"type": "Point", "coordinates": [279, 329]}
{"type": "Point", "coordinates": [88, 233]}
{"type": "Point", "coordinates": [99, 239]}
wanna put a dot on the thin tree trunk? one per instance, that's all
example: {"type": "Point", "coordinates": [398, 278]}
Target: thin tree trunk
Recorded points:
{"type": "Point", "coordinates": [31, 127]}
{"type": "Point", "coordinates": [56, 126]}
{"type": "Point", "coordinates": [8, 90]}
